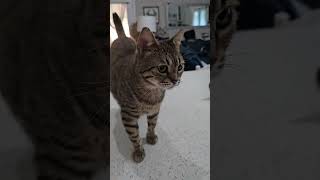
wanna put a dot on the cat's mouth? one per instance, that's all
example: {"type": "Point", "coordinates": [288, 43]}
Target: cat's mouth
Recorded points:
{"type": "Point", "coordinates": [169, 85]}
{"type": "Point", "coordinates": [166, 85]}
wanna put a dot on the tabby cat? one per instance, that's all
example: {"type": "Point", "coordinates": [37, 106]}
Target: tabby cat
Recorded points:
{"type": "Point", "coordinates": [223, 24]}
{"type": "Point", "coordinates": [54, 76]}
{"type": "Point", "coordinates": [141, 72]}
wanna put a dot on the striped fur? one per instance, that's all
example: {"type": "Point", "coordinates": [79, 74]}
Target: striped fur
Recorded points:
{"type": "Point", "coordinates": [69, 155]}
{"type": "Point", "coordinates": [61, 47]}
{"type": "Point", "coordinates": [140, 78]}
{"type": "Point", "coordinates": [223, 19]}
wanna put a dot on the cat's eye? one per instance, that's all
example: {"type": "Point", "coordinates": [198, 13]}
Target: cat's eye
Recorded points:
{"type": "Point", "coordinates": [162, 68]}
{"type": "Point", "coordinates": [180, 67]}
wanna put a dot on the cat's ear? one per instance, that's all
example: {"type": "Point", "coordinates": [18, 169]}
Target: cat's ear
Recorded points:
{"type": "Point", "coordinates": [133, 31]}
{"type": "Point", "coordinates": [146, 39]}
{"type": "Point", "coordinates": [177, 39]}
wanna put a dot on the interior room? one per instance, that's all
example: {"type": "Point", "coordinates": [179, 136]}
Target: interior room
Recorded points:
{"type": "Point", "coordinates": [263, 100]}
{"type": "Point", "coordinates": [171, 16]}
{"type": "Point", "coordinates": [183, 148]}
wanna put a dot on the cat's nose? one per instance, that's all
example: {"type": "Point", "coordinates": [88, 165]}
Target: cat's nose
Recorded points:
{"type": "Point", "coordinates": [175, 81]}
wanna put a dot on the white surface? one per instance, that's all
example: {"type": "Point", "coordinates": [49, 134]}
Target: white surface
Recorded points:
{"type": "Point", "coordinates": [147, 21]}
{"type": "Point", "coordinates": [266, 106]}
{"type": "Point", "coordinates": [183, 148]}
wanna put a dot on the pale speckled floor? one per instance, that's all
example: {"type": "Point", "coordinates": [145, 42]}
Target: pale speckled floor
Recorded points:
{"type": "Point", "coordinates": [183, 148]}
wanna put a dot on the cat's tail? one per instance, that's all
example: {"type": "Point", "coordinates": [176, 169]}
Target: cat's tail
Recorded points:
{"type": "Point", "coordinates": [118, 24]}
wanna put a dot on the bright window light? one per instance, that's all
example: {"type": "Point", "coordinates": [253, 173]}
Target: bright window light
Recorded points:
{"type": "Point", "coordinates": [122, 10]}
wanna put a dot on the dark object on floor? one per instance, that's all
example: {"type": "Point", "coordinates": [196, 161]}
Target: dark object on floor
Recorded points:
{"type": "Point", "coordinates": [190, 35]}
{"type": "Point", "coordinates": [191, 57]}
{"type": "Point", "coordinates": [260, 13]}
{"type": "Point", "coordinates": [194, 53]}
{"type": "Point", "coordinates": [313, 4]}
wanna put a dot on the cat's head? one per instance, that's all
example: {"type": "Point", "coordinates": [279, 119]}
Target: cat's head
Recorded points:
{"type": "Point", "coordinates": [160, 64]}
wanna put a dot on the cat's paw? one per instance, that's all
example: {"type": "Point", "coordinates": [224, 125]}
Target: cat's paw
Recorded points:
{"type": "Point", "coordinates": [138, 155]}
{"type": "Point", "coordinates": [152, 139]}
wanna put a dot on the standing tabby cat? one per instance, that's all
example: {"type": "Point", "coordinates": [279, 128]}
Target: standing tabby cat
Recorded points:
{"type": "Point", "coordinates": [140, 74]}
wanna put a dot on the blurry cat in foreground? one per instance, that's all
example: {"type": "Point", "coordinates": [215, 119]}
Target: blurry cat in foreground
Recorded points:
{"type": "Point", "coordinates": [54, 77]}
{"type": "Point", "coordinates": [223, 24]}
{"type": "Point", "coordinates": [141, 71]}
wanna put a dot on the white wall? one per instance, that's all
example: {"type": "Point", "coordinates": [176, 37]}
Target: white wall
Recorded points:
{"type": "Point", "coordinates": [131, 9]}
{"type": "Point", "coordinates": [162, 4]}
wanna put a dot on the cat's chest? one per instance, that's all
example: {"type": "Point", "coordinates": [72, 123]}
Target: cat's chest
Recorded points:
{"type": "Point", "coordinates": [148, 99]}
{"type": "Point", "coordinates": [149, 109]}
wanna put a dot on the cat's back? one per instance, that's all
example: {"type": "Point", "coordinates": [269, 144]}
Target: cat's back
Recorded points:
{"type": "Point", "coordinates": [123, 56]}
{"type": "Point", "coordinates": [123, 47]}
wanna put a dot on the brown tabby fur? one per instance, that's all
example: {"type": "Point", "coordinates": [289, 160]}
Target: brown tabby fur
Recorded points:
{"type": "Point", "coordinates": [141, 71]}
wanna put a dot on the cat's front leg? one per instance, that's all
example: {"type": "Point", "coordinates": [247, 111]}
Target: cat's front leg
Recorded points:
{"type": "Point", "coordinates": [130, 122]}
{"type": "Point", "coordinates": [152, 138]}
